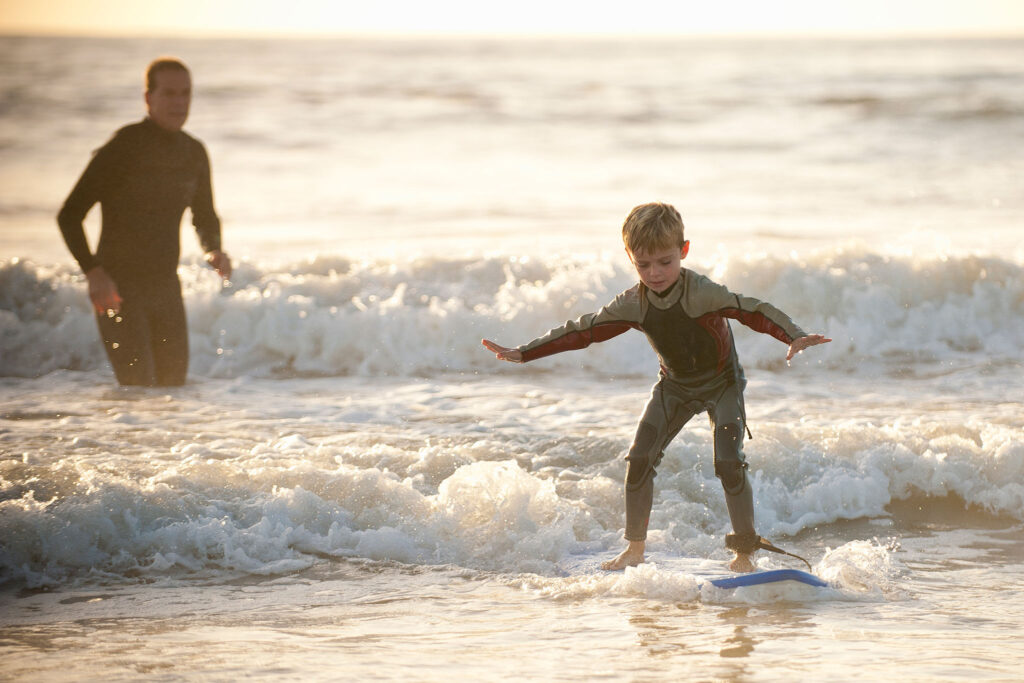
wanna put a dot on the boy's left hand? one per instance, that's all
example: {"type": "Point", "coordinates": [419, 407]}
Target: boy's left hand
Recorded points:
{"type": "Point", "coordinates": [802, 343]}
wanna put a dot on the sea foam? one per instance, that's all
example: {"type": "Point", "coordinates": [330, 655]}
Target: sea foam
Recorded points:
{"type": "Point", "coordinates": [335, 317]}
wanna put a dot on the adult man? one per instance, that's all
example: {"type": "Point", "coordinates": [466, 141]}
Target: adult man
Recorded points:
{"type": "Point", "coordinates": [143, 179]}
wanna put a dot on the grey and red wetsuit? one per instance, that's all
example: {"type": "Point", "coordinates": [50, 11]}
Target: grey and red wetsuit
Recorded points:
{"type": "Point", "coordinates": [143, 178]}
{"type": "Point", "coordinates": [688, 328]}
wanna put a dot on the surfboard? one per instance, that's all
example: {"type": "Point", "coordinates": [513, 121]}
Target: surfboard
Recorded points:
{"type": "Point", "coordinates": [702, 570]}
{"type": "Point", "coordinates": [768, 576]}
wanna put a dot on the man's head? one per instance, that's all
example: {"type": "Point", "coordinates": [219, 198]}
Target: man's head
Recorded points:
{"type": "Point", "coordinates": [168, 92]}
{"type": "Point", "coordinates": [653, 235]}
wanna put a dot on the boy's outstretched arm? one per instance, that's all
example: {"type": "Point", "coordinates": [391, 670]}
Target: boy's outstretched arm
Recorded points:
{"type": "Point", "coordinates": [801, 343]}
{"type": "Point", "coordinates": [503, 352]}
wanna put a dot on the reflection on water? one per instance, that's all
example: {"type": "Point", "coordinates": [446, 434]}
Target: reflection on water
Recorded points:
{"type": "Point", "coordinates": [740, 644]}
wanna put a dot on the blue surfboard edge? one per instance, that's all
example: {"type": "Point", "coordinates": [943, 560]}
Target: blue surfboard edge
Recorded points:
{"type": "Point", "coordinates": [770, 576]}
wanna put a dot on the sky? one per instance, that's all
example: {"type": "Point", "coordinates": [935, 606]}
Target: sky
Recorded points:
{"type": "Point", "coordinates": [522, 17]}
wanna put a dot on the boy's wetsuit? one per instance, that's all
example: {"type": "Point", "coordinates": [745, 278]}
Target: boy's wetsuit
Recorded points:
{"type": "Point", "coordinates": [687, 327]}
{"type": "Point", "coordinates": [143, 179]}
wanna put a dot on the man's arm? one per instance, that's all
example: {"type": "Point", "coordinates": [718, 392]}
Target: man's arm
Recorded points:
{"type": "Point", "coordinates": [84, 195]}
{"type": "Point", "coordinates": [205, 219]}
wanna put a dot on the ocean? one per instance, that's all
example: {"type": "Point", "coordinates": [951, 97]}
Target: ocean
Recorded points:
{"type": "Point", "coordinates": [351, 487]}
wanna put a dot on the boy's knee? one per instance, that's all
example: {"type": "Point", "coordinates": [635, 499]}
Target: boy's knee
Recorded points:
{"type": "Point", "coordinates": [733, 474]}
{"type": "Point", "coordinates": [641, 459]}
{"type": "Point", "coordinates": [729, 464]}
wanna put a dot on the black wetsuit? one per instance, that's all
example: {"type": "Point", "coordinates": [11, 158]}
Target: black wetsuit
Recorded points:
{"type": "Point", "coordinates": [143, 179]}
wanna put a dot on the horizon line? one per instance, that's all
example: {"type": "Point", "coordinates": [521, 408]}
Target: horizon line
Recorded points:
{"type": "Point", "coordinates": [824, 34]}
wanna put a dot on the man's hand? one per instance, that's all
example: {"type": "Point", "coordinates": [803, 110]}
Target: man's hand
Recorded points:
{"type": "Point", "coordinates": [503, 352]}
{"type": "Point", "coordinates": [220, 262]}
{"type": "Point", "coordinates": [102, 291]}
{"type": "Point", "coordinates": [802, 343]}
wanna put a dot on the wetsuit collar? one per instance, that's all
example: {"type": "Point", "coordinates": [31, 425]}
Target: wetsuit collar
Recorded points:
{"type": "Point", "coordinates": [155, 127]}
{"type": "Point", "coordinates": [669, 296]}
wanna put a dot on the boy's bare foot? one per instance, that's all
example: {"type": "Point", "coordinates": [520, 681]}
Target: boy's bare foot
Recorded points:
{"type": "Point", "coordinates": [630, 557]}
{"type": "Point", "coordinates": [742, 563]}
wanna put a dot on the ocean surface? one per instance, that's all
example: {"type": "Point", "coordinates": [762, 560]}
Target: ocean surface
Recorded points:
{"type": "Point", "coordinates": [351, 487]}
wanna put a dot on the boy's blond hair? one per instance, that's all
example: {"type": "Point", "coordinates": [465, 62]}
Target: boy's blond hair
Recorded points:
{"type": "Point", "coordinates": [652, 227]}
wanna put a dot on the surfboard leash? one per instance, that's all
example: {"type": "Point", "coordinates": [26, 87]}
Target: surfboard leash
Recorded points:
{"type": "Point", "coordinates": [765, 544]}
{"type": "Point", "coordinates": [748, 543]}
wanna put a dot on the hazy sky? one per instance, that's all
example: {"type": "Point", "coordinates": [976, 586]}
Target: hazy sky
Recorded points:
{"type": "Point", "coordinates": [283, 17]}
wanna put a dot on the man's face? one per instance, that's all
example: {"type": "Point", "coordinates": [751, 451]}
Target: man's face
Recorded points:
{"type": "Point", "coordinates": [168, 102]}
{"type": "Point", "coordinates": [658, 270]}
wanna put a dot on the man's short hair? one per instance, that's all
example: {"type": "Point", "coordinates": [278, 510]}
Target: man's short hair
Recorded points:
{"type": "Point", "coordinates": [653, 227]}
{"type": "Point", "coordinates": [160, 65]}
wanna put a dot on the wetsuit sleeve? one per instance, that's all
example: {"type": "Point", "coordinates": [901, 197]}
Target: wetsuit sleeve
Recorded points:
{"type": "Point", "coordinates": [87, 191]}
{"type": "Point", "coordinates": [710, 297]}
{"type": "Point", "coordinates": [617, 317]}
{"type": "Point", "coordinates": [204, 217]}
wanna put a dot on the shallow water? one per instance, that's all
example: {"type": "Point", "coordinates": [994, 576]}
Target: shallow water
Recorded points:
{"type": "Point", "coordinates": [385, 621]}
{"type": "Point", "coordinates": [261, 580]}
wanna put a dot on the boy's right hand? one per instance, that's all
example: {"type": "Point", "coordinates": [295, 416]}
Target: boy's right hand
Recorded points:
{"type": "Point", "coordinates": [503, 352]}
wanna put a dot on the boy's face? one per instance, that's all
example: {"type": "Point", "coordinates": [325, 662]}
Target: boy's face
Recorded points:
{"type": "Point", "coordinates": [659, 270]}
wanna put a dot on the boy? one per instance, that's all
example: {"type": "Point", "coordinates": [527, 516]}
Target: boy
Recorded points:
{"type": "Point", "coordinates": [684, 316]}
